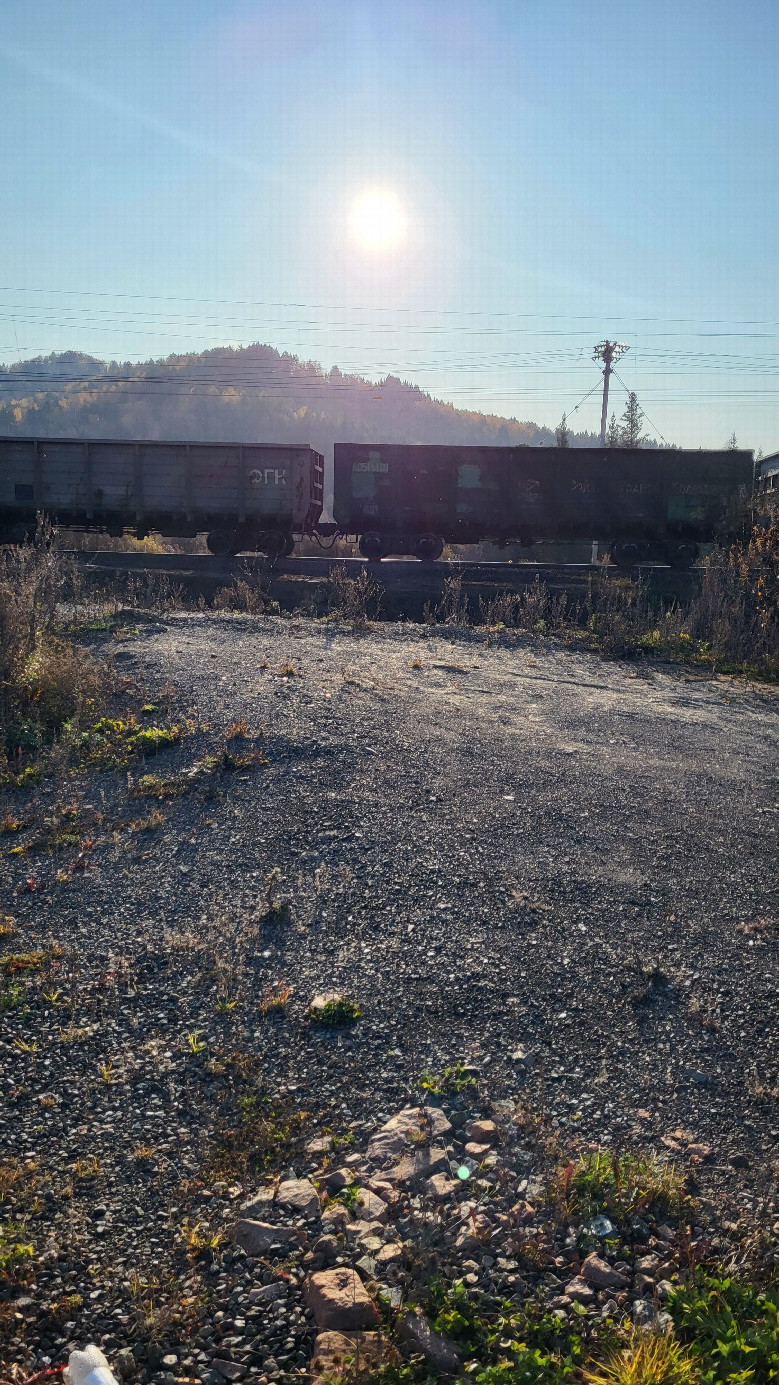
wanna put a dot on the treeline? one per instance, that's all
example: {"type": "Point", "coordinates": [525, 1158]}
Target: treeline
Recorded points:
{"type": "Point", "coordinates": [244, 394]}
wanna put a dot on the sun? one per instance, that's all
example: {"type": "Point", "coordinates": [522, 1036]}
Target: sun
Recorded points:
{"type": "Point", "coordinates": [377, 219]}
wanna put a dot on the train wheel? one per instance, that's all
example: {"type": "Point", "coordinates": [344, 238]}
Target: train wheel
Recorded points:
{"type": "Point", "coordinates": [270, 541]}
{"type": "Point", "coordinates": [628, 552]}
{"type": "Point", "coordinates": [222, 542]}
{"type": "Point", "coordinates": [429, 547]}
{"type": "Point", "coordinates": [682, 554]}
{"type": "Point", "coordinates": [373, 546]}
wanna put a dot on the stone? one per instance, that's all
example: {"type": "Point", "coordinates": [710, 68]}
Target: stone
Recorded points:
{"type": "Point", "coordinates": [125, 1365]}
{"type": "Point", "coordinates": [475, 1151]}
{"type": "Point", "coordinates": [439, 1351]}
{"type": "Point", "coordinates": [332, 1350]}
{"type": "Point", "coordinates": [522, 1213]}
{"type": "Point", "coordinates": [738, 1161]}
{"type": "Point", "coordinates": [257, 1206]}
{"type": "Point", "coordinates": [699, 1151]}
{"type": "Point", "coordinates": [327, 1247]}
{"type": "Point", "coordinates": [642, 1283]}
{"type": "Point", "coordinates": [369, 1205]}
{"type": "Point", "coordinates": [702, 1079]}
{"type": "Point", "coordinates": [644, 1313]}
{"type": "Point", "coordinates": [414, 1125]}
{"type": "Point", "coordinates": [267, 1293]}
{"type": "Point", "coordinates": [339, 1301]}
{"type": "Point", "coordinates": [601, 1275]}
{"type": "Point", "coordinates": [484, 1132]}
{"type": "Point", "coordinates": [257, 1237]}
{"type": "Point", "coordinates": [300, 1196]}
{"type": "Point", "coordinates": [358, 1230]}
{"type": "Point", "coordinates": [580, 1291]}
{"type": "Point", "coordinates": [441, 1187]}
{"type": "Point", "coordinates": [321, 1145]}
{"type": "Point", "coordinates": [231, 1370]}
{"type": "Point", "coordinates": [420, 1163]}
{"type": "Point", "coordinates": [648, 1263]}
{"type": "Point", "coordinates": [390, 1254]}
{"type": "Point", "coordinates": [338, 1179]}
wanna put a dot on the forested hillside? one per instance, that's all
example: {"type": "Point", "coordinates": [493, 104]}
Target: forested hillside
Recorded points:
{"type": "Point", "coordinates": [245, 395]}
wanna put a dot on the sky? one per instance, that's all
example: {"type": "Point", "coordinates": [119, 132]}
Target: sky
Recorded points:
{"type": "Point", "coordinates": [469, 194]}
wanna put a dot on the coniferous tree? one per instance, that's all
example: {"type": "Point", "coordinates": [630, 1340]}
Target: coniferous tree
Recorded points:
{"type": "Point", "coordinates": [733, 443]}
{"type": "Point", "coordinates": [630, 432]}
{"type": "Point", "coordinates": [614, 434]}
{"type": "Point", "coordinates": [561, 433]}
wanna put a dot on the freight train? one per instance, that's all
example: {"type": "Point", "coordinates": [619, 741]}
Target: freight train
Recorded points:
{"type": "Point", "coordinates": [395, 499]}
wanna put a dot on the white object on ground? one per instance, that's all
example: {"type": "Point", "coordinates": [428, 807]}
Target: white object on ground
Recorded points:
{"type": "Point", "coordinates": [89, 1367]}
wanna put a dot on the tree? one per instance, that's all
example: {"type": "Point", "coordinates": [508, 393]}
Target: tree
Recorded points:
{"type": "Point", "coordinates": [630, 432]}
{"type": "Point", "coordinates": [614, 434]}
{"type": "Point", "coordinates": [561, 433]}
{"type": "Point", "coordinates": [733, 443]}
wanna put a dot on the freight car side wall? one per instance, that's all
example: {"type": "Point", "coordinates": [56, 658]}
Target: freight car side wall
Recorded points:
{"type": "Point", "coordinates": [178, 487]}
{"type": "Point", "coordinates": [467, 494]}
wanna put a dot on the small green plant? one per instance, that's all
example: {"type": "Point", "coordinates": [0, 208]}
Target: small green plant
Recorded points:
{"type": "Point", "coordinates": [107, 1073]}
{"type": "Point", "coordinates": [11, 996]}
{"type": "Point", "coordinates": [13, 1250]}
{"type": "Point", "coordinates": [338, 1010]}
{"type": "Point", "coordinates": [277, 910]}
{"type": "Point", "coordinates": [274, 1000]}
{"type": "Point", "coordinates": [733, 1326]}
{"type": "Point", "coordinates": [224, 1004]}
{"type": "Point", "coordinates": [451, 1082]}
{"type": "Point", "coordinates": [349, 1196]}
{"type": "Point", "coordinates": [196, 1044]}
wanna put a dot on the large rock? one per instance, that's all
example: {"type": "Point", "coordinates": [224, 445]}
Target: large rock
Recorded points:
{"type": "Point", "coordinates": [300, 1196]}
{"type": "Point", "coordinates": [439, 1351]}
{"type": "Point", "coordinates": [420, 1163]}
{"type": "Point", "coordinates": [258, 1205]}
{"type": "Point", "coordinates": [257, 1237]}
{"type": "Point", "coordinates": [332, 1351]}
{"type": "Point", "coordinates": [339, 1301]}
{"type": "Point", "coordinates": [371, 1207]}
{"type": "Point", "coordinates": [601, 1275]}
{"type": "Point", "coordinates": [413, 1126]}
{"type": "Point", "coordinates": [440, 1186]}
{"type": "Point", "coordinates": [482, 1132]}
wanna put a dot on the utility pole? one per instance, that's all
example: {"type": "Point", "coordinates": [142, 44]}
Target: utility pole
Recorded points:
{"type": "Point", "coordinates": [608, 352]}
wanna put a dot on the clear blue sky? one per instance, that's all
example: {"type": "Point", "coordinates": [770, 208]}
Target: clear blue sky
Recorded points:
{"type": "Point", "coordinates": [182, 173]}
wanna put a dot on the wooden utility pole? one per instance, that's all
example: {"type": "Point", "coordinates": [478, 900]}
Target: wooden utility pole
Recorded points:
{"type": "Point", "coordinates": [608, 352]}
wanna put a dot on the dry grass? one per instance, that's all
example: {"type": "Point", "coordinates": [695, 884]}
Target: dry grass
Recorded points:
{"type": "Point", "coordinates": [45, 680]}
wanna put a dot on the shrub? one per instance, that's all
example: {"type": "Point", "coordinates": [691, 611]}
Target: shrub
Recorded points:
{"type": "Point", "coordinates": [734, 1326]}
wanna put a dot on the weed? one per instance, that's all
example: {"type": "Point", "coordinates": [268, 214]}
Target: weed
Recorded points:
{"type": "Point", "coordinates": [416, 663]}
{"type": "Point", "coordinates": [7, 926]}
{"type": "Point", "coordinates": [113, 742]}
{"type": "Point", "coordinates": [152, 823]}
{"type": "Point", "coordinates": [734, 1326]}
{"type": "Point", "coordinates": [11, 996]}
{"type": "Point", "coordinates": [224, 1005]}
{"type": "Point", "coordinates": [268, 1137]}
{"type": "Point", "coordinates": [197, 1240]}
{"type": "Point", "coordinates": [16, 962]}
{"type": "Point", "coordinates": [154, 786]}
{"type": "Point", "coordinates": [287, 670]}
{"type": "Point", "coordinates": [451, 1082]}
{"type": "Point", "coordinates": [10, 824]}
{"type": "Point", "coordinates": [87, 1169]}
{"type": "Point", "coordinates": [336, 1011]}
{"type": "Point", "coordinates": [356, 599]}
{"type": "Point", "coordinates": [274, 1000]}
{"type": "Point", "coordinates": [617, 1184]}
{"type": "Point", "coordinates": [143, 1154]}
{"type": "Point", "coordinates": [13, 1250]}
{"type": "Point", "coordinates": [647, 1358]}
{"type": "Point", "coordinates": [25, 1047]}
{"type": "Point", "coordinates": [277, 910]}
{"type": "Point", "coordinates": [238, 730]}
{"type": "Point", "coordinates": [196, 1044]}
{"type": "Point", "coordinates": [106, 1071]}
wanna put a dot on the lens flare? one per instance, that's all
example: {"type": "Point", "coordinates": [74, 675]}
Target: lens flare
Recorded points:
{"type": "Point", "coordinates": [377, 219]}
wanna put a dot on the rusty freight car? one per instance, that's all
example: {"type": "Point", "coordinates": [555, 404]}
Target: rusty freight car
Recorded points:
{"type": "Point", "coordinates": [244, 496]}
{"type": "Point", "coordinates": [639, 504]}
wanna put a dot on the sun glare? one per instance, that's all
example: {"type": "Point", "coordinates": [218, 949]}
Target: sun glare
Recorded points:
{"type": "Point", "coordinates": [377, 219]}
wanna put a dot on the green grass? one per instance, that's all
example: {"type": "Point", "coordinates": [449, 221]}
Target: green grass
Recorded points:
{"type": "Point", "coordinates": [114, 742]}
{"type": "Point", "coordinates": [617, 1184]}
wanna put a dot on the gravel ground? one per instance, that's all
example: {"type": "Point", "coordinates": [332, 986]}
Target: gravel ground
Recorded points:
{"type": "Point", "coordinates": [557, 871]}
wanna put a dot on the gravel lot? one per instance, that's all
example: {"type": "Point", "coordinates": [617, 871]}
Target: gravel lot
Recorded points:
{"type": "Point", "coordinates": [559, 870]}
